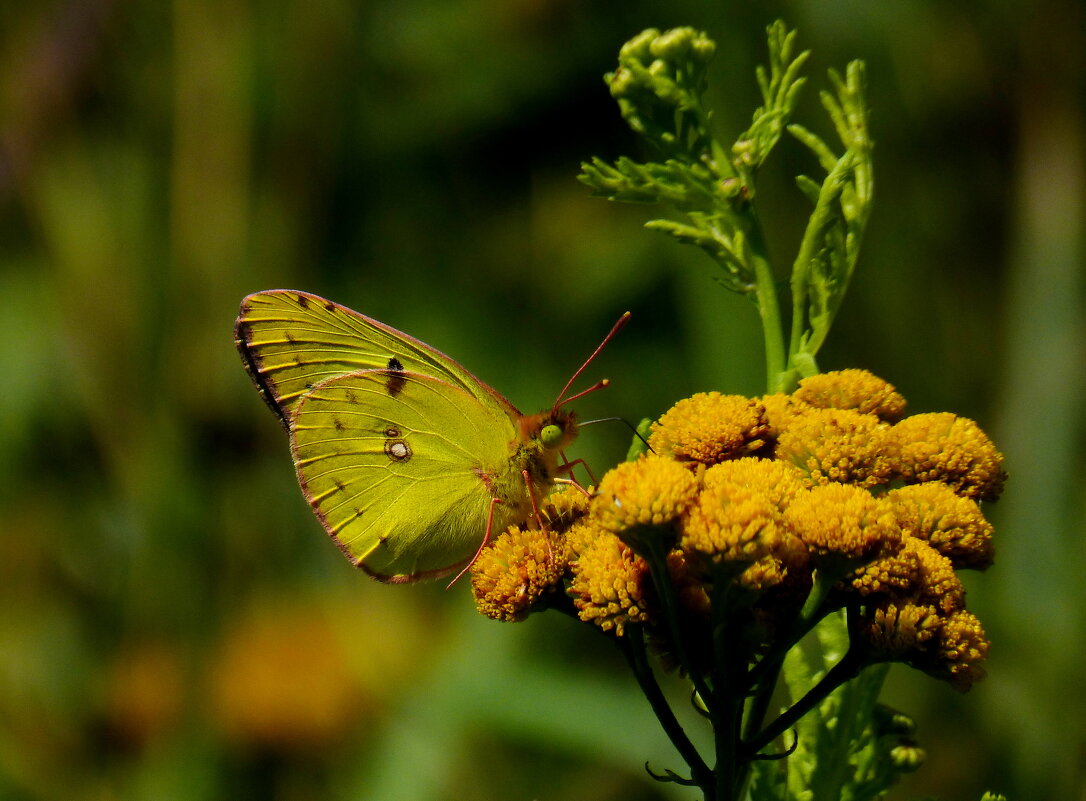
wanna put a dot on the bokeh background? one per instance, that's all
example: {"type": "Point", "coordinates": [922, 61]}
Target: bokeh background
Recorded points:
{"type": "Point", "coordinates": [173, 623]}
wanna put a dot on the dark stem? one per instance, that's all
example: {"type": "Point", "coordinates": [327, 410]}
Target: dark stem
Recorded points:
{"type": "Point", "coordinates": [854, 660]}
{"type": "Point", "coordinates": [730, 682]}
{"type": "Point", "coordinates": [632, 644]}
{"type": "Point", "coordinates": [759, 705]}
{"type": "Point", "coordinates": [656, 557]}
{"type": "Point", "coordinates": [814, 609]}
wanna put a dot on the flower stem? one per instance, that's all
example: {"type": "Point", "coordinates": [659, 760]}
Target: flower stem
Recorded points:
{"type": "Point", "coordinates": [768, 305]}
{"type": "Point", "coordinates": [730, 681]}
{"type": "Point", "coordinates": [656, 557]}
{"type": "Point", "coordinates": [812, 612]}
{"type": "Point", "coordinates": [632, 644]}
{"type": "Point", "coordinates": [848, 668]}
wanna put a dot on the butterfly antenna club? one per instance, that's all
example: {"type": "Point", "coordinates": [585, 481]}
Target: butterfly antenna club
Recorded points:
{"type": "Point", "coordinates": [562, 399]}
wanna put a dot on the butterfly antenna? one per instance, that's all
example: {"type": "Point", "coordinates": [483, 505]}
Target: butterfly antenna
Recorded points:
{"type": "Point", "coordinates": [603, 382]}
{"type": "Point", "coordinates": [622, 420]}
{"type": "Point", "coordinates": [562, 399]}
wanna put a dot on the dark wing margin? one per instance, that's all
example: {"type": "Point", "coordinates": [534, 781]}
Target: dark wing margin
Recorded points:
{"type": "Point", "coordinates": [290, 341]}
{"type": "Point", "coordinates": [242, 335]}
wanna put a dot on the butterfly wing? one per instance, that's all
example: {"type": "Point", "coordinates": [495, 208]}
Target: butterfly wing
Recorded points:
{"type": "Point", "coordinates": [401, 468]}
{"type": "Point", "coordinates": [291, 341]}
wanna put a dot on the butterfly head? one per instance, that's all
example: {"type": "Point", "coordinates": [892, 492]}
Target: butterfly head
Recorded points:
{"type": "Point", "coordinates": [553, 430]}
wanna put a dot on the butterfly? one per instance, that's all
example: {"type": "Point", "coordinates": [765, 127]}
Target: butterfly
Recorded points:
{"type": "Point", "coordinates": [409, 461]}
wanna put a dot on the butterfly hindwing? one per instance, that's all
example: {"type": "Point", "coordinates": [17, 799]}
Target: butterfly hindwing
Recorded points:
{"type": "Point", "coordinates": [291, 341]}
{"type": "Point", "coordinates": [399, 468]}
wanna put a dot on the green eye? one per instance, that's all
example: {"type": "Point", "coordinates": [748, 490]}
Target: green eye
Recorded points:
{"type": "Point", "coordinates": [551, 436]}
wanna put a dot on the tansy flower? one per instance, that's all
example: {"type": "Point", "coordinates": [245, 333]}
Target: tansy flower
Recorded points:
{"type": "Point", "coordinates": [708, 428]}
{"type": "Point", "coordinates": [779, 411]}
{"type": "Point", "coordinates": [565, 506]}
{"type": "Point", "coordinates": [515, 570]}
{"type": "Point", "coordinates": [769, 571]}
{"type": "Point", "coordinates": [894, 630]}
{"type": "Point", "coordinates": [917, 572]}
{"type": "Point", "coordinates": [852, 389]}
{"type": "Point", "coordinates": [641, 498]}
{"type": "Point", "coordinates": [843, 523]}
{"type": "Point", "coordinates": [961, 646]}
{"type": "Point", "coordinates": [937, 583]}
{"type": "Point", "coordinates": [949, 647]}
{"type": "Point", "coordinates": [736, 520]}
{"type": "Point", "coordinates": [951, 524]}
{"type": "Point", "coordinates": [944, 447]}
{"type": "Point", "coordinates": [892, 574]}
{"type": "Point", "coordinates": [835, 445]}
{"type": "Point", "coordinates": [610, 581]}
{"type": "Point", "coordinates": [779, 481]}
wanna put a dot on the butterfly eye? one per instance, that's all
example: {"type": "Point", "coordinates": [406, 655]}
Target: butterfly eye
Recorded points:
{"type": "Point", "coordinates": [551, 436]}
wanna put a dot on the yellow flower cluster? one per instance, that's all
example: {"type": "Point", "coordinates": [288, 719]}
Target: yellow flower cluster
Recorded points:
{"type": "Point", "coordinates": [761, 498]}
{"type": "Point", "coordinates": [609, 584]}
{"type": "Point", "coordinates": [852, 389]}
{"type": "Point", "coordinates": [708, 428]}
{"type": "Point", "coordinates": [519, 568]}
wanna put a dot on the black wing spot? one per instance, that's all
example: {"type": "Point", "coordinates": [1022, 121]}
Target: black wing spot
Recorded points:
{"type": "Point", "coordinates": [290, 337]}
{"type": "Point", "coordinates": [392, 432]}
{"type": "Point", "coordinates": [303, 301]}
{"type": "Point", "coordinates": [338, 424]}
{"type": "Point", "coordinates": [397, 380]}
{"type": "Point", "coordinates": [349, 396]}
{"type": "Point", "coordinates": [340, 485]}
{"type": "Point", "coordinates": [330, 306]}
{"type": "Point", "coordinates": [397, 450]}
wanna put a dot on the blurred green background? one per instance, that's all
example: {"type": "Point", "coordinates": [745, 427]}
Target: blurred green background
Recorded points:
{"type": "Point", "coordinates": [172, 622]}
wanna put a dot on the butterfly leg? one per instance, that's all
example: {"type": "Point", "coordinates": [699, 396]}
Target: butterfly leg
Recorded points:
{"type": "Point", "coordinates": [537, 514]}
{"type": "Point", "coordinates": [483, 544]}
{"type": "Point", "coordinates": [568, 466]}
{"type": "Point", "coordinates": [574, 483]}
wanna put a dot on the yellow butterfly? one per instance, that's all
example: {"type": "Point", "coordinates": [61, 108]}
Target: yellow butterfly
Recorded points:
{"type": "Point", "coordinates": [409, 461]}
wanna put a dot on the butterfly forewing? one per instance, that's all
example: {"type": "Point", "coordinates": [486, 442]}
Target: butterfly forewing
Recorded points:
{"type": "Point", "coordinates": [398, 467]}
{"type": "Point", "coordinates": [291, 341]}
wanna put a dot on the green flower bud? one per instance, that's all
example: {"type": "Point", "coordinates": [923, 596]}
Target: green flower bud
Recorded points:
{"type": "Point", "coordinates": [622, 82]}
{"type": "Point", "coordinates": [907, 757]}
{"type": "Point", "coordinates": [681, 44]}
{"type": "Point", "coordinates": [640, 47]}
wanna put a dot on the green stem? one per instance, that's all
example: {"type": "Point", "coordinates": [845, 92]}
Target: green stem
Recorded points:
{"type": "Point", "coordinates": [813, 237]}
{"type": "Point", "coordinates": [768, 305]}
{"type": "Point", "coordinates": [759, 705]}
{"type": "Point", "coordinates": [848, 668]}
{"type": "Point", "coordinates": [633, 647]}
{"type": "Point", "coordinates": [753, 719]}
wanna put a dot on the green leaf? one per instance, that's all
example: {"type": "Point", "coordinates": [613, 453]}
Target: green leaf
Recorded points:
{"type": "Point", "coordinates": [659, 85]}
